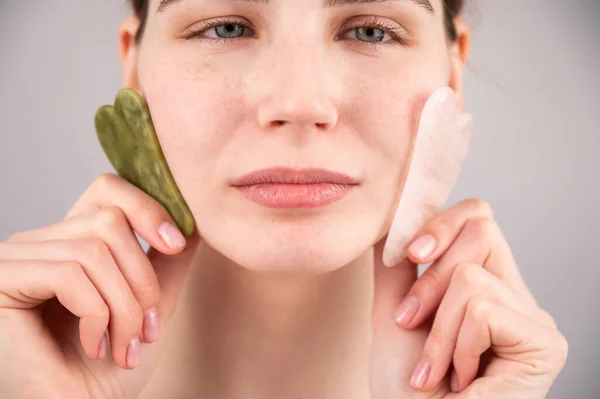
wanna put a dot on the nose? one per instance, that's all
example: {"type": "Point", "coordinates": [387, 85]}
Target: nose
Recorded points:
{"type": "Point", "coordinates": [297, 92]}
{"type": "Point", "coordinates": [295, 109]}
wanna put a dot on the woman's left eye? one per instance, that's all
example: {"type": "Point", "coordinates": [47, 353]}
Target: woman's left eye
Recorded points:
{"type": "Point", "coordinates": [367, 34]}
{"type": "Point", "coordinates": [375, 33]}
{"type": "Point", "coordinates": [230, 31]}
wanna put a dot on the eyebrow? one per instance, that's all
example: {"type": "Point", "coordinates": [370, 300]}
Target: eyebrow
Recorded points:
{"type": "Point", "coordinates": [426, 4]}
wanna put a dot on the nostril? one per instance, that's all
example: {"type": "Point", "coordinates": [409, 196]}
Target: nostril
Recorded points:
{"type": "Point", "coordinates": [319, 125]}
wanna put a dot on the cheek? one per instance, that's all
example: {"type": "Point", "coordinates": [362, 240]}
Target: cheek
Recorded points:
{"type": "Point", "coordinates": [387, 116]}
{"type": "Point", "coordinates": [386, 104]}
{"type": "Point", "coordinates": [195, 111]}
{"type": "Point", "coordinates": [387, 119]}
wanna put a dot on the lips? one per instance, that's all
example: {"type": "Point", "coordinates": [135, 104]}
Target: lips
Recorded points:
{"type": "Point", "coordinates": [291, 188]}
{"type": "Point", "coordinates": [293, 176]}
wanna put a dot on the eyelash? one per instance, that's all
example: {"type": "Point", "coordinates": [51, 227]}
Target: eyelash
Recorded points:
{"type": "Point", "coordinates": [395, 32]}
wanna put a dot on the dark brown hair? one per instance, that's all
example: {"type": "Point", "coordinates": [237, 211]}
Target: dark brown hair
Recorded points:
{"type": "Point", "coordinates": [452, 9]}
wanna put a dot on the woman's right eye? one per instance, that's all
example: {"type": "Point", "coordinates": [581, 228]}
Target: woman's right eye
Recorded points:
{"type": "Point", "coordinates": [223, 31]}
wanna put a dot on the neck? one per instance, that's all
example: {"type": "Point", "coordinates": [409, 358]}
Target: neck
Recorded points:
{"type": "Point", "coordinates": [243, 334]}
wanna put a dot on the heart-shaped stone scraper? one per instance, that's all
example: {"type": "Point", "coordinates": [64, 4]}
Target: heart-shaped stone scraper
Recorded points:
{"type": "Point", "coordinates": [128, 137]}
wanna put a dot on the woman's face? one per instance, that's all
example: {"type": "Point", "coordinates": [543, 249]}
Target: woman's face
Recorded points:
{"type": "Point", "coordinates": [296, 84]}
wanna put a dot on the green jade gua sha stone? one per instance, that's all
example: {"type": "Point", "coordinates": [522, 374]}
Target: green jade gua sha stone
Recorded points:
{"type": "Point", "coordinates": [129, 139]}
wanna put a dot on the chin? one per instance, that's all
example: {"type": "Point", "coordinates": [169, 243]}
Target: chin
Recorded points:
{"type": "Point", "coordinates": [302, 247]}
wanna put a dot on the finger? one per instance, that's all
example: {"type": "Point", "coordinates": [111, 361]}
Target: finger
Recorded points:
{"type": "Point", "coordinates": [481, 242]}
{"type": "Point", "coordinates": [468, 281]}
{"type": "Point", "coordinates": [524, 348]}
{"type": "Point", "coordinates": [98, 264]}
{"type": "Point", "coordinates": [170, 252]}
{"type": "Point", "coordinates": [440, 232]}
{"type": "Point", "coordinates": [439, 149]}
{"type": "Point", "coordinates": [482, 239]}
{"type": "Point", "coordinates": [111, 226]}
{"type": "Point", "coordinates": [113, 223]}
{"type": "Point", "coordinates": [147, 216]}
{"type": "Point", "coordinates": [25, 284]}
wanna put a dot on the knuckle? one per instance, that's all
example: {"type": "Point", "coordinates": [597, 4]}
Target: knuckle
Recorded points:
{"type": "Point", "coordinates": [103, 311]}
{"type": "Point", "coordinates": [69, 274]}
{"type": "Point", "coordinates": [150, 207]}
{"type": "Point", "coordinates": [148, 290]}
{"type": "Point", "coordinates": [485, 234]}
{"type": "Point", "coordinates": [68, 277]}
{"type": "Point", "coordinates": [479, 309]}
{"type": "Point", "coordinates": [440, 223]}
{"type": "Point", "coordinates": [131, 315]}
{"type": "Point", "coordinates": [436, 336]}
{"type": "Point", "coordinates": [111, 216]}
{"type": "Point", "coordinates": [480, 206]}
{"type": "Point", "coordinates": [105, 180]}
{"type": "Point", "coordinates": [95, 251]}
{"type": "Point", "coordinates": [467, 275]}
{"type": "Point", "coordinates": [432, 278]}
{"type": "Point", "coordinates": [482, 226]}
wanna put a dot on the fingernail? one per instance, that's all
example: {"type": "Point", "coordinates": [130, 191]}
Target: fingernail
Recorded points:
{"type": "Point", "coordinates": [151, 325]}
{"type": "Point", "coordinates": [423, 247]}
{"type": "Point", "coordinates": [171, 235]}
{"type": "Point", "coordinates": [407, 309]}
{"type": "Point", "coordinates": [102, 347]}
{"type": "Point", "coordinates": [421, 373]}
{"type": "Point", "coordinates": [134, 353]}
{"type": "Point", "coordinates": [454, 382]}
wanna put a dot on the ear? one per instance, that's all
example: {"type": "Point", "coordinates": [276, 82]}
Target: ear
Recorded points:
{"type": "Point", "coordinates": [128, 50]}
{"type": "Point", "coordinates": [459, 52]}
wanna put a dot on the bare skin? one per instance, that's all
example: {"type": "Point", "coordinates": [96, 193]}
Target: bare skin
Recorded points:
{"type": "Point", "coordinates": [262, 303]}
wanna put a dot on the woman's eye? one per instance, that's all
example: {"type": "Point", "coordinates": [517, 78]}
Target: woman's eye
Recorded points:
{"type": "Point", "coordinates": [220, 30]}
{"type": "Point", "coordinates": [230, 31]}
{"type": "Point", "coordinates": [369, 34]}
{"type": "Point", "coordinates": [376, 32]}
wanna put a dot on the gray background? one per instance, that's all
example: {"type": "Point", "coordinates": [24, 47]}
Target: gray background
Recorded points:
{"type": "Point", "coordinates": [532, 86]}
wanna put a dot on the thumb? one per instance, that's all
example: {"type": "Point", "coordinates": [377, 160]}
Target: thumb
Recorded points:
{"type": "Point", "coordinates": [171, 271]}
{"type": "Point", "coordinates": [439, 150]}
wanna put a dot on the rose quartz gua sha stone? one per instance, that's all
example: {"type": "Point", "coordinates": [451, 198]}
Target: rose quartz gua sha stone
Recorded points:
{"type": "Point", "coordinates": [439, 150]}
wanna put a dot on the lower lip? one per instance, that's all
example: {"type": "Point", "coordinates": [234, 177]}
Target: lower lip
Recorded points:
{"type": "Point", "coordinates": [295, 195]}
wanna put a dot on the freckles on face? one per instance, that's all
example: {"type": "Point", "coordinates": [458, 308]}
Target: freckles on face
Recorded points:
{"type": "Point", "coordinates": [385, 106]}
{"type": "Point", "coordinates": [195, 107]}
{"type": "Point", "coordinates": [219, 112]}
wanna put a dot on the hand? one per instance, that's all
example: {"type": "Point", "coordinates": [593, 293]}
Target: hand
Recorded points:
{"type": "Point", "coordinates": [439, 149]}
{"type": "Point", "coordinates": [65, 287]}
{"type": "Point", "coordinates": [488, 324]}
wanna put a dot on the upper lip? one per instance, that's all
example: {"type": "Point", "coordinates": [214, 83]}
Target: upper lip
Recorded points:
{"type": "Point", "coordinates": [283, 175]}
